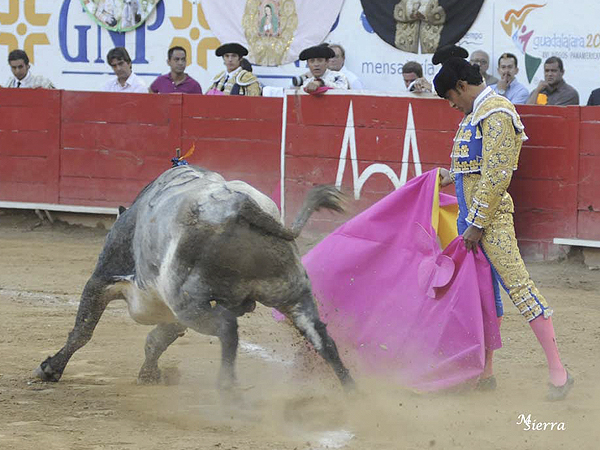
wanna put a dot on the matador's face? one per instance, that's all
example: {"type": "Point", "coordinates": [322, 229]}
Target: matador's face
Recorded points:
{"type": "Point", "coordinates": [459, 98]}
{"type": "Point", "coordinates": [317, 66]}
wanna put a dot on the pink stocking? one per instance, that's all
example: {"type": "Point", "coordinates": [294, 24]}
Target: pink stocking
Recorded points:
{"type": "Point", "coordinates": [544, 331]}
{"type": "Point", "coordinates": [488, 369]}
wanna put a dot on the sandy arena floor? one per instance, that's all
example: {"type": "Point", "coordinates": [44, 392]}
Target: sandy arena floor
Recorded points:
{"type": "Point", "coordinates": [97, 404]}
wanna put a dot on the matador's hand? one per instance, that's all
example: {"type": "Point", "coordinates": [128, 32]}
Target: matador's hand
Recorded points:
{"type": "Point", "coordinates": [312, 86]}
{"type": "Point", "coordinates": [445, 179]}
{"type": "Point", "coordinates": [471, 237]}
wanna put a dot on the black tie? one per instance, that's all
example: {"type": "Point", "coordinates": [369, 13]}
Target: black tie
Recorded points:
{"type": "Point", "coordinates": [224, 83]}
{"type": "Point", "coordinates": [18, 84]}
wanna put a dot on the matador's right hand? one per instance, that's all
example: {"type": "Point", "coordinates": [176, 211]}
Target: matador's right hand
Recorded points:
{"type": "Point", "coordinates": [445, 178]}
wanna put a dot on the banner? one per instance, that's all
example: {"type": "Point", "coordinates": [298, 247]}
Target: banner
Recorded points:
{"type": "Point", "coordinates": [413, 25]}
{"type": "Point", "coordinates": [65, 46]}
{"type": "Point", "coordinates": [274, 31]}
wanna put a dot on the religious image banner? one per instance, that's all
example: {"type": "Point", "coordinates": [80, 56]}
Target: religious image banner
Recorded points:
{"type": "Point", "coordinates": [274, 31]}
{"type": "Point", "coordinates": [119, 15]}
{"type": "Point", "coordinates": [421, 26]}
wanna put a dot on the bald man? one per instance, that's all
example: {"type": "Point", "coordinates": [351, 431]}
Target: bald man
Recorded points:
{"type": "Point", "coordinates": [483, 60]}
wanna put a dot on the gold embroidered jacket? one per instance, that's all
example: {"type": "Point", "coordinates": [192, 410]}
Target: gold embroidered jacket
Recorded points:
{"type": "Point", "coordinates": [239, 82]}
{"type": "Point", "coordinates": [485, 153]}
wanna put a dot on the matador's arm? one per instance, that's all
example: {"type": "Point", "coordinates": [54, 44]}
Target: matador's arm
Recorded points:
{"type": "Point", "coordinates": [498, 161]}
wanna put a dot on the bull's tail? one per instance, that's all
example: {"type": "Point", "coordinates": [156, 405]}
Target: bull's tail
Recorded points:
{"type": "Point", "coordinates": [323, 196]}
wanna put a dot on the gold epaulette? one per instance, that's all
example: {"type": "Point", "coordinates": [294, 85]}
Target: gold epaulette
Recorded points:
{"type": "Point", "coordinates": [246, 78]}
{"type": "Point", "coordinates": [218, 77]}
{"type": "Point", "coordinates": [496, 103]}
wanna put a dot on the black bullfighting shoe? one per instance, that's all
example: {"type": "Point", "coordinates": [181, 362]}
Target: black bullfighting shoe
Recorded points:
{"type": "Point", "coordinates": [486, 384]}
{"type": "Point", "coordinates": [556, 393]}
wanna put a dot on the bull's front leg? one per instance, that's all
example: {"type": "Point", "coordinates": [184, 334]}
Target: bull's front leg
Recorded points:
{"type": "Point", "coordinates": [305, 316]}
{"type": "Point", "coordinates": [93, 303]}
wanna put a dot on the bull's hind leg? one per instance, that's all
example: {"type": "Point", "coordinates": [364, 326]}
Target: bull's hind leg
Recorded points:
{"type": "Point", "coordinates": [305, 317]}
{"type": "Point", "coordinates": [93, 302]}
{"type": "Point", "coordinates": [156, 343]}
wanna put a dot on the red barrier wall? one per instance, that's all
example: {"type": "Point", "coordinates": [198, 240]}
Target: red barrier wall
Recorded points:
{"type": "Point", "coordinates": [100, 149]}
{"type": "Point", "coordinates": [588, 199]}
{"type": "Point", "coordinates": [29, 145]}
{"type": "Point", "coordinates": [545, 185]}
{"type": "Point", "coordinates": [113, 144]}
{"type": "Point", "coordinates": [315, 138]}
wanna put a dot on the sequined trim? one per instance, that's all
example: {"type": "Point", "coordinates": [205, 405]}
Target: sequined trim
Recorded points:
{"type": "Point", "coordinates": [500, 246]}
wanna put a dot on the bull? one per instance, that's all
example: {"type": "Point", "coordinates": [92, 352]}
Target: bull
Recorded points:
{"type": "Point", "coordinates": [196, 251]}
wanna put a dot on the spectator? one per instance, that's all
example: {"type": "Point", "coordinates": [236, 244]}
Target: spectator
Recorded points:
{"type": "Point", "coordinates": [235, 80]}
{"type": "Point", "coordinates": [321, 76]}
{"type": "Point", "coordinates": [507, 85]}
{"type": "Point", "coordinates": [22, 77]}
{"type": "Point", "coordinates": [125, 80]}
{"type": "Point", "coordinates": [176, 80]}
{"type": "Point", "coordinates": [337, 63]}
{"type": "Point", "coordinates": [482, 59]}
{"type": "Point", "coordinates": [594, 99]}
{"type": "Point", "coordinates": [412, 72]}
{"type": "Point", "coordinates": [553, 90]}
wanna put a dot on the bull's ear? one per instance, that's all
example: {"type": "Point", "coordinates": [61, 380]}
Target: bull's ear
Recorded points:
{"type": "Point", "coordinates": [122, 209]}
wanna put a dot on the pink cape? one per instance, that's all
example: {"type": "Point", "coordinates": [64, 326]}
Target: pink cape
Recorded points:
{"type": "Point", "coordinates": [214, 91]}
{"type": "Point", "coordinates": [398, 305]}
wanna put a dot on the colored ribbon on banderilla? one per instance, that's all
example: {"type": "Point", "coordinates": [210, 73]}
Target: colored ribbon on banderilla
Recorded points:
{"type": "Point", "coordinates": [181, 160]}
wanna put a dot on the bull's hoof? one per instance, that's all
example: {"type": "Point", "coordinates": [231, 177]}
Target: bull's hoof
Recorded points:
{"type": "Point", "coordinates": [232, 396]}
{"type": "Point", "coordinates": [148, 377]}
{"type": "Point", "coordinates": [170, 376]}
{"type": "Point", "coordinates": [350, 387]}
{"type": "Point", "coordinates": [45, 372]}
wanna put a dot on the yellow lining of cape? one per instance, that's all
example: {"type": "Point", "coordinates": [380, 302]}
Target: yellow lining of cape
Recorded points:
{"type": "Point", "coordinates": [443, 219]}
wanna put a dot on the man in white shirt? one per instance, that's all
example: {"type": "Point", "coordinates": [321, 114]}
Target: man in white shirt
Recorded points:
{"type": "Point", "coordinates": [125, 80]}
{"type": "Point", "coordinates": [321, 75]}
{"type": "Point", "coordinates": [22, 76]}
{"type": "Point", "coordinates": [508, 86]}
{"type": "Point", "coordinates": [337, 63]}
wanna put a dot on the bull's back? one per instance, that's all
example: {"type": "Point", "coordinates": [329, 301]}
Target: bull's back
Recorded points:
{"type": "Point", "coordinates": [202, 216]}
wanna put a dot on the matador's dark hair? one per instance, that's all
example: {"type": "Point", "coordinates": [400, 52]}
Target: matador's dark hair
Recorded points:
{"type": "Point", "coordinates": [455, 68]}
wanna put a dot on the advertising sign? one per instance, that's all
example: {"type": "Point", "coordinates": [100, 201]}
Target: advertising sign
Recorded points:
{"type": "Point", "coordinates": [67, 40]}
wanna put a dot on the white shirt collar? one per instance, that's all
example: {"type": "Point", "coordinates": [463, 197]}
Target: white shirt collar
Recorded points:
{"type": "Point", "coordinates": [232, 73]}
{"type": "Point", "coordinates": [327, 73]}
{"type": "Point", "coordinates": [25, 81]}
{"type": "Point", "coordinates": [128, 82]}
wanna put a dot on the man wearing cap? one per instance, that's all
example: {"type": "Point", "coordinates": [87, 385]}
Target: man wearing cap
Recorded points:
{"type": "Point", "coordinates": [317, 58]}
{"type": "Point", "coordinates": [234, 80]}
{"type": "Point", "coordinates": [484, 155]}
